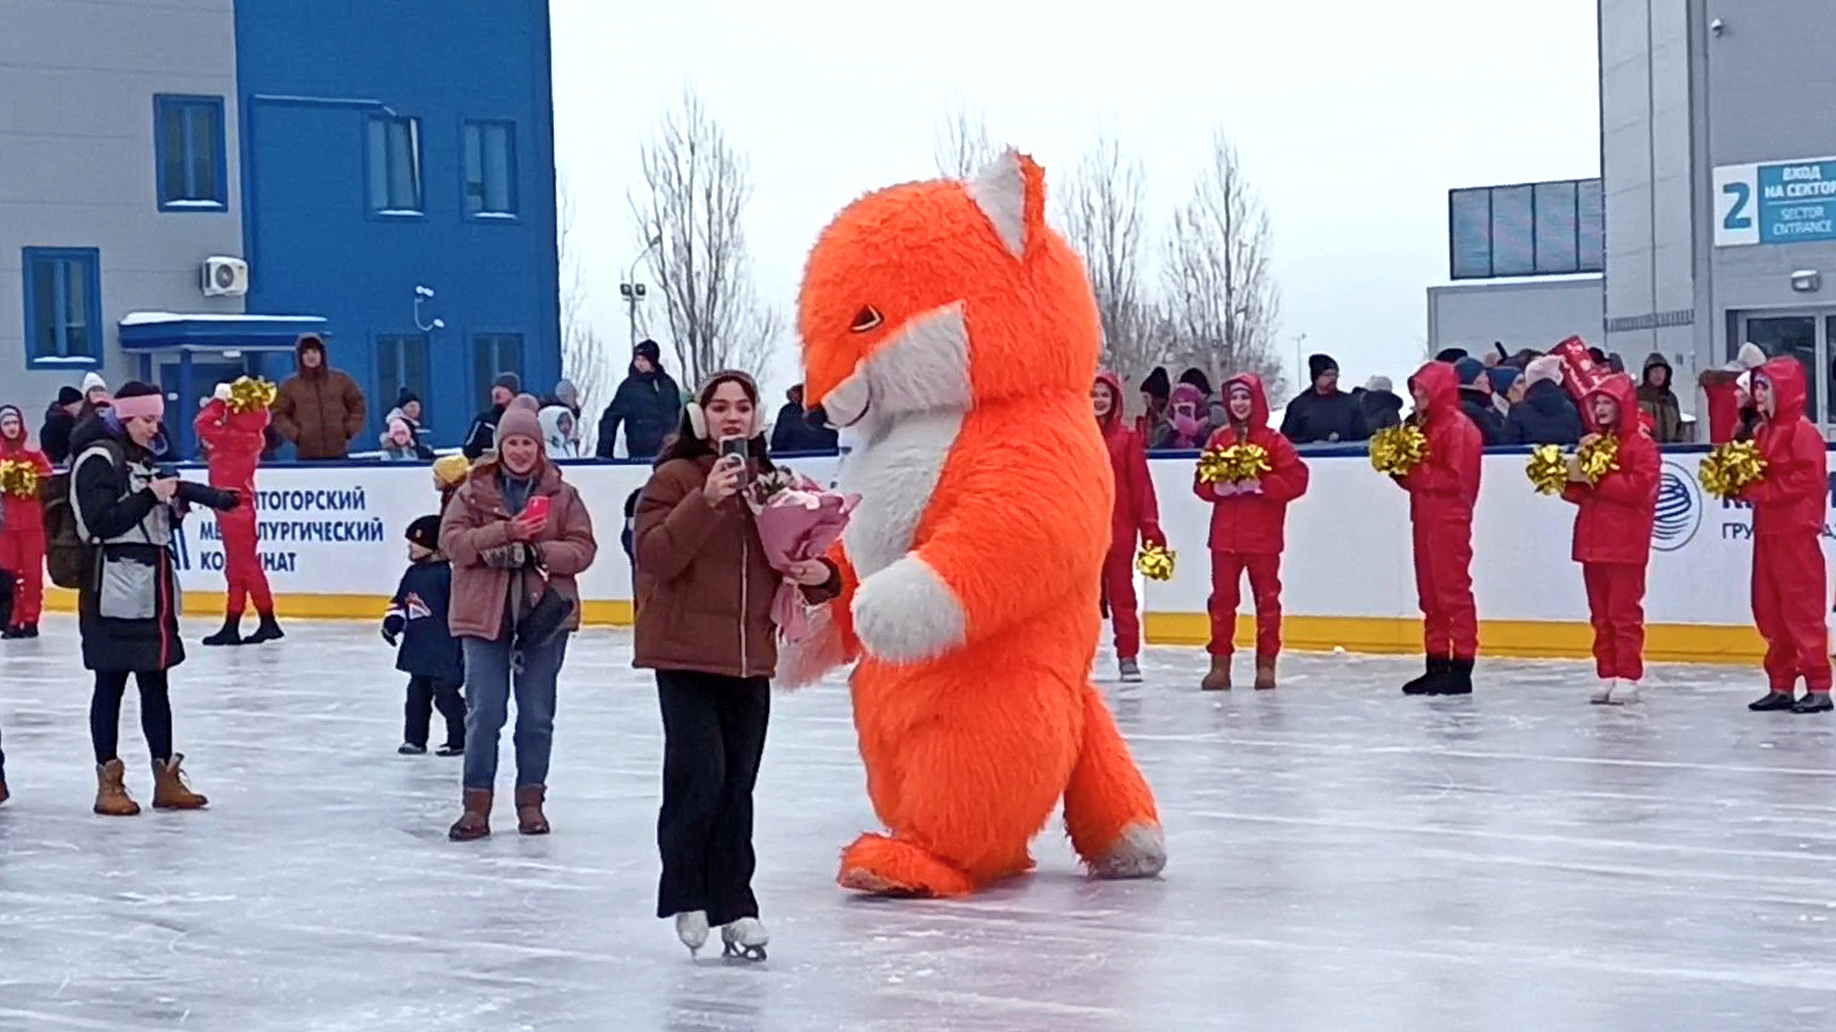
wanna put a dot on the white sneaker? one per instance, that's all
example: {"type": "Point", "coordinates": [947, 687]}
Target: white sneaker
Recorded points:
{"type": "Point", "coordinates": [692, 929]}
{"type": "Point", "coordinates": [1603, 695]}
{"type": "Point", "coordinates": [745, 938]}
{"type": "Point", "coordinates": [1625, 693]}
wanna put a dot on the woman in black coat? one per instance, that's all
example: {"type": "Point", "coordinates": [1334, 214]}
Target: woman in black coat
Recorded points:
{"type": "Point", "coordinates": [127, 603]}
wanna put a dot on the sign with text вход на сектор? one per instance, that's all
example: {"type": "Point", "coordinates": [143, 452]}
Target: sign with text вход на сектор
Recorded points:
{"type": "Point", "coordinates": [1792, 202]}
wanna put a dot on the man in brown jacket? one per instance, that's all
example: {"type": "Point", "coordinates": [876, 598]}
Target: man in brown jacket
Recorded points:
{"type": "Point", "coordinates": [319, 408]}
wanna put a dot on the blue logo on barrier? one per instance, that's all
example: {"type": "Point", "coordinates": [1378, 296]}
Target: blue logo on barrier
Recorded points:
{"type": "Point", "coordinates": [1679, 509]}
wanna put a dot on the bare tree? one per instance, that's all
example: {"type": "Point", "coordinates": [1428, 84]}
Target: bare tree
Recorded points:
{"type": "Point", "coordinates": [1102, 211]}
{"type": "Point", "coordinates": [697, 186]}
{"type": "Point", "coordinates": [960, 145]}
{"type": "Point", "coordinates": [585, 359]}
{"type": "Point", "coordinates": [1221, 296]}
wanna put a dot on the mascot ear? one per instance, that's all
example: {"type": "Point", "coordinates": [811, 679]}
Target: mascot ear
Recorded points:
{"type": "Point", "coordinates": [1011, 193]}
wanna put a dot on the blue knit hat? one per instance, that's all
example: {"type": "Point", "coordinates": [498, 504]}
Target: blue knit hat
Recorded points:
{"type": "Point", "coordinates": [1502, 378]}
{"type": "Point", "coordinates": [1470, 370]}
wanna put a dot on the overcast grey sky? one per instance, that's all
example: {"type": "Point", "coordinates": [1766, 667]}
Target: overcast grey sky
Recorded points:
{"type": "Point", "coordinates": [1352, 119]}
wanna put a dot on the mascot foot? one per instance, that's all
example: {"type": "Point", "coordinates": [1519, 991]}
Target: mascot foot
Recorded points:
{"type": "Point", "coordinates": [883, 866]}
{"type": "Point", "coordinates": [1141, 852]}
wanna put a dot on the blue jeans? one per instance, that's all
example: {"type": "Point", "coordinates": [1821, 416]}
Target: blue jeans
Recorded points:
{"type": "Point", "coordinates": [487, 705]}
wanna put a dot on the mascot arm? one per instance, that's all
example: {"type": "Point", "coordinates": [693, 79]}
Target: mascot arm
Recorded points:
{"type": "Point", "coordinates": [993, 556]}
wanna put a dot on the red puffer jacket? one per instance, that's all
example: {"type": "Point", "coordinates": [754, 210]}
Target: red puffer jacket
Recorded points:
{"type": "Point", "coordinates": [1137, 513]}
{"type": "Point", "coordinates": [1793, 496]}
{"type": "Point", "coordinates": [235, 441]}
{"type": "Point", "coordinates": [1254, 524]}
{"type": "Point", "coordinates": [1613, 523]}
{"type": "Point", "coordinates": [24, 514]}
{"type": "Point", "coordinates": [1445, 486]}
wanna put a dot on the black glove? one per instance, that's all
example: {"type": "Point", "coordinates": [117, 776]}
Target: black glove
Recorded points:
{"type": "Point", "coordinates": [392, 629]}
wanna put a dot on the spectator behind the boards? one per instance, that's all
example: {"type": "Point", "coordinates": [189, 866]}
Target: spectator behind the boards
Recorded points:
{"type": "Point", "coordinates": [1215, 416]}
{"type": "Point", "coordinates": [1323, 413]}
{"type": "Point", "coordinates": [482, 437]}
{"type": "Point", "coordinates": [560, 431]}
{"type": "Point", "coordinates": [1156, 395]}
{"type": "Point", "coordinates": [1188, 423]}
{"type": "Point", "coordinates": [1547, 414]}
{"type": "Point", "coordinates": [1725, 403]}
{"type": "Point", "coordinates": [60, 419]}
{"type": "Point", "coordinates": [1660, 402]}
{"type": "Point", "coordinates": [319, 409]}
{"type": "Point", "coordinates": [797, 430]}
{"type": "Point", "coordinates": [1476, 401]}
{"type": "Point", "coordinates": [648, 404]}
{"type": "Point", "coordinates": [1507, 387]}
{"type": "Point", "coordinates": [1378, 404]}
{"type": "Point", "coordinates": [408, 409]}
{"type": "Point", "coordinates": [399, 445]}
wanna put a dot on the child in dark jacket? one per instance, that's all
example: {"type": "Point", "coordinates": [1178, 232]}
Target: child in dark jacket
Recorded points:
{"type": "Point", "coordinates": [428, 653]}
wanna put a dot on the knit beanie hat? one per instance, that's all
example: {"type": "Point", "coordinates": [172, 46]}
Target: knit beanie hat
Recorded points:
{"type": "Point", "coordinates": [521, 418]}
{"type": "Point", "coordinates": [94, 382]}
{"type": "Point", "coordinates": [1502, 377]}
{"type": "Point", "coordinates": [508, 381]}
{"type": "Point", "coordinates": [1380, 383]}
{"type": "Point", "coordinates": [425, 531]}
{"type": "Point", "coordinates": [1548, 367]}
{"type": "Point", "coordinates": [1196, 377]}
{"type": "Point", "coordinates": [1450, 355]}
{"type": "Point", "coordinates": [405, 397]}
{"type": "Point", "coordinates": [68, 396]}
{"type": "Point", "coordinates": [451, 470]}
{"type": "Point", "coordinates": [647, 349]}
{"type": "Point", "coordinates": [1470, 370]}
{"type": "Point", "coordinates": [1319, 365]}
{"type": "Point", "coordinates": [1157, 384]}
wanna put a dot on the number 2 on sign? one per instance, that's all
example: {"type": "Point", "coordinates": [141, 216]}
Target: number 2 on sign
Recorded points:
{"type": "Point", "coordinates": [1737, 217]}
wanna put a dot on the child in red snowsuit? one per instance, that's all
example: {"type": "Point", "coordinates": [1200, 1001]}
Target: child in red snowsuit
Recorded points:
{"type": "Point", "coordinates": [22, 536]}
{"type": "Point", "coordinates": [1442, 491]}
{"type": "Point", "coordinates": [1248, 532]}
{"type": "Point", "coordinates": [1613, 536]}
{"type": "Point", "coordinates": [1136, 518]}
{"type": "Point", "coordinates": [234, 441]}
{"type": "Point", "coordinates": [1790, 594]}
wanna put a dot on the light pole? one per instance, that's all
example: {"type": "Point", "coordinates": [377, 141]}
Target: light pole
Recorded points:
{"type": "Point", "coordinates": [633, 291]}
{"type": "Point", "coordinates": [1300, 363]}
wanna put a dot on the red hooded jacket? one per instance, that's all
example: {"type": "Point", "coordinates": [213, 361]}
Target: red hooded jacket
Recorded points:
{"type": "Point", "coordinates": [235, 441]}
{"type": "Point", "coordinates": [1613, 524]}
{"type": "Point", "coordinates": [23, 514]}
{"type": "Point", "coordinates": [1254, 524]}
{"type": "Point", "coordinates": [1137, 512]}
{"type": "Point", "coordinates": [1793, 497]}
{"type": "Point", "coordinates": [1445, 486]}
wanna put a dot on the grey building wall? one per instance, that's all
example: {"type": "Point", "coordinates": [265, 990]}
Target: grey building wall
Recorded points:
{"type": "Point", "coordinates": [1519, 314]}
{"type": "Point", "coordinates": [77, 78]}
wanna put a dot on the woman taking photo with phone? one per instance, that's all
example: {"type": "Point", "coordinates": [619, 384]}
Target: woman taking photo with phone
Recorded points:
{"type": "Point", "coordinates": [517, 535]}
{"type": "Point", "coordinates": [704, 597]}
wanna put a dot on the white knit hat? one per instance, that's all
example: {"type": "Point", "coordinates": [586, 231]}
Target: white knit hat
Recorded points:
{"type": "Point", "coordinates": [1750, 356]}
{"type": "Point", "coordinates": [1545, 367]}
{"type": "Point", "coordinates": [93, 382]}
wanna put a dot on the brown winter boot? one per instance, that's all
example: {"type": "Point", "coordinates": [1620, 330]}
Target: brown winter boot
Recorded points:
{"type": "Point", "coordinates": [169, 789]}
{"type": "Point", "coordinates": [111, 795]}
{"type": "Point", "coordinates": [475, 822]}
{"type": "Point", "coordinates": [529, 817]}
{"type": "Point", "coordinates": [1218, 680]}
{"type": "Point", "coordinates": [4, 794]}
{"type": "Point", "coordinates": [1265, 673]}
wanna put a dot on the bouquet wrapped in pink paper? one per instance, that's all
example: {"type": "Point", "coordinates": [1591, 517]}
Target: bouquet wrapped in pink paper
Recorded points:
{"type": "Point", "coordinates": [798, 520]}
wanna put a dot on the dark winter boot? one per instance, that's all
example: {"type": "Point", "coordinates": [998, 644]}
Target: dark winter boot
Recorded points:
{"type": "Point", "coordinates": [231, 634]}
{"type": "Point", "coordinates": [29, 630]}
{"type": "Point", "coordinates": [1265, 673]}
{"type": "Point", "coordinates": [12, 632]}
{"type": "Point", "coordinates": [1458, 679]}
{"type": "Point", "coordinates": [1432, 677]}
{"type": "Point", "coordinates": [169, 789]}
{"type": "Point", "coordinates": [1774, 702]}
{"type": "Point", "coordinates": [1218, 679]}
{"type": "Point", "coordinates": [4, 794]}
{"type": "Point", "coordinates": [475, 822]}
{"type": "Point", "coordinates": [529, 817]}
{"type": "Point", "coordinates": [112, 799]}
{"type": "Point", "coordinates": [267, 631]}
{"type": "Point", "coordinates": [1814, 702]}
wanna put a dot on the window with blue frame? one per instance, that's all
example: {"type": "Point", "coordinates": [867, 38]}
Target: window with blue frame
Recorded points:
{"type": "Point", "coordinates": [190, 153]}
{"type": "Point", "coordinates": [63, 306]}
{"type": "Point", "coordinates": [494, 353]}
{"type": "Point", "coordinates": [401, 364]}
{"type": "Point", "coordinates": [490, 169]}
{"type": "Point", "coordinates": [395, 165]}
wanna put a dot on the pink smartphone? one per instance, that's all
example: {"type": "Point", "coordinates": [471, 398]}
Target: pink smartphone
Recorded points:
{"type": "Point", "coordinates": [536, 510]}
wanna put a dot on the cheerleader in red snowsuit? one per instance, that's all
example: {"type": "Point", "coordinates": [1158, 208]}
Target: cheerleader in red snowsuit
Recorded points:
{"type": "Point", "coordinates": [1613, 537]}
{"type": "Point", "coordinates": [234, 441]}
{"type": "Point", "coordinates": [22, 538]}
{"type": "Point", "coordinates": [1790, 595]}
{"type": "Point", "coordinates": [1442, 491]}
{"type": "Point", "coordinates": [1136, 518]}
{"type": "Point", "coordinates": [1248, 532]}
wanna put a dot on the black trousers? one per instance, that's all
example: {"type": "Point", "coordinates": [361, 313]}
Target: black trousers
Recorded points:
{"type": "Point", "coordinates": [425, 693]}
{"type": "Point", "coordinates": [155, 713]}
{"type": "Point", "coordinates": [713, 739]}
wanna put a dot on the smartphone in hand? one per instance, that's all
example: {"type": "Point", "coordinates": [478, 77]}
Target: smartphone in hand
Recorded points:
{"type": "Point", "coordinates": [736, 450]}
{"type": "Point", "coordinates": [536, 510]}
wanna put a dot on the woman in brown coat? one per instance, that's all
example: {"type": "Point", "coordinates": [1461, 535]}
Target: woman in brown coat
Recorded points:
{"type": "Point", "coordinates": [704, 591]}
{"type": "Point", "coordinates": [513, 529]}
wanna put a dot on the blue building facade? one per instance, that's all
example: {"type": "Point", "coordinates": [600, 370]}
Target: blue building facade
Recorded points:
{"type": "Point", "coordinates": [398, 180]}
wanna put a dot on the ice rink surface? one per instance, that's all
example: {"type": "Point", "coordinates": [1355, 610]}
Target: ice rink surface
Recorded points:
{"type": "Point", "coordinates": [1343, 858]}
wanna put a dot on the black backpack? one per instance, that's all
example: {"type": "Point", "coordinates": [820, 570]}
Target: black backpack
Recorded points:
{"type": "Point", "coordinates": [64, 544]}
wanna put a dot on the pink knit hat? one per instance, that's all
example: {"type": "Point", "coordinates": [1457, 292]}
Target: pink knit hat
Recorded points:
{"type": "Point", "coordinates": [521, 418]}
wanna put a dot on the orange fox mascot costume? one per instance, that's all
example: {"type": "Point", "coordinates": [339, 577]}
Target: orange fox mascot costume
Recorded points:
{"type": "Point", "coordinates": [956, 333]}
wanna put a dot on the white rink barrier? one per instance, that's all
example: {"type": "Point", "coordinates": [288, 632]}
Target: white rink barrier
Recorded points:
{"type": "Point", "coordinates": [333, 547]}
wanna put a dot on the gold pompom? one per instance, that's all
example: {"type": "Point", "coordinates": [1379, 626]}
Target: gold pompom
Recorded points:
{"type": "Point", "coordinates": [1598, 457]}
{"type": "Point", "coordinates": [1731, 467]}
{"type": "Point", "coordinates": [1233, 465]}
{"type": "Point", "coordinates": [252, 394]}
{"type": "Point", "coordinates": [1156, 562]}
{"type": "Point", "coordinates": [1548, 469]}
{"type": "Point", "coordinates": [19, 479]}
{"type": "Point", "coordinates": [1397, 450]}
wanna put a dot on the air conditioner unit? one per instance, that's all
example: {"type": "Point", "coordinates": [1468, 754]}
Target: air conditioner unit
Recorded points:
{"type": "Point", "coordinates": [225, 277]}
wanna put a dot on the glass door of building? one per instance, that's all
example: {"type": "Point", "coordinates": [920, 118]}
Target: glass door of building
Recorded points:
{"type": "Point", "coordinates": [1806, 337]}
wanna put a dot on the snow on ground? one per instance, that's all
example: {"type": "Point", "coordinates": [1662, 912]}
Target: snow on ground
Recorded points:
{"type": "Point", "coordinates": [1342, 858]}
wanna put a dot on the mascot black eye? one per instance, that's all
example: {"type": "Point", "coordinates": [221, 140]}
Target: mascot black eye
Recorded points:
{"type": "Point", "coordinates": [868, 318]}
